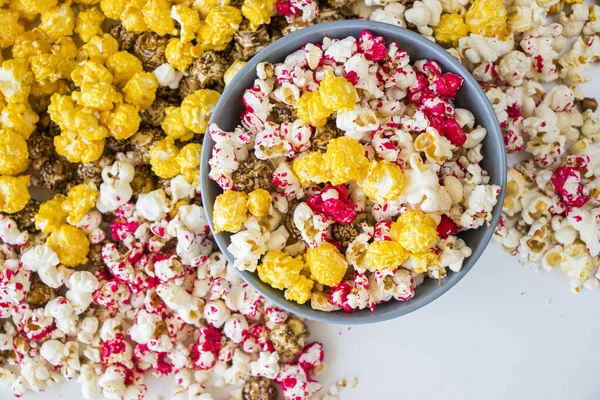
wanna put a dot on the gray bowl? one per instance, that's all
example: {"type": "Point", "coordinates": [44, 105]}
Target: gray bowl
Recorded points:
{"type": "Point", "coordinates": [227, 116]}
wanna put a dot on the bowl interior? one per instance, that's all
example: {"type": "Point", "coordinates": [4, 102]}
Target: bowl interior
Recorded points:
{"type": "Point", "coordinates": [227, 116]}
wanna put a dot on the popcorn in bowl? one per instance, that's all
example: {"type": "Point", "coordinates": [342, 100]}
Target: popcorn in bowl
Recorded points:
{"type": "Point", "coordinates": [373, 174]}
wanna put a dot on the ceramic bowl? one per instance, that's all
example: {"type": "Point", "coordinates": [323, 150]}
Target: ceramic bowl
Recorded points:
{"type": "Point", "coordinates": [227, 116]}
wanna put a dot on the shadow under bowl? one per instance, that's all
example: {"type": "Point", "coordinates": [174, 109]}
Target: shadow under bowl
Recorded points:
{"type": "Point", "coordinates": [227, 116]}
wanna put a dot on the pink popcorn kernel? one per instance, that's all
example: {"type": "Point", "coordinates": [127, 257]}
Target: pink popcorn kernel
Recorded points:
{"type": "Point", "coordinates": [566, 181]}
{"type": "Point", "coordinates": [286, 8]}
{"type": "Point", "coordinates": [382, 230]}
{"type": "Point", "coordinates": [339, 296]}
{"type": "Point", "coordinates": [112, 346]}
{"type": "Point", "coordinates": [448, 85]}
{"type": "Point", "coordinates": [341, 209]}
{"type": "Point", "coordinates": [209, 341]}
{"type": "Point", "coordinates": [454, 133]}
{"type": "Point", "coordinates": [311, 357]}
{"type": "Point", "coordinates": [373, 47]}
{"type": "Point", "coordinates": [447, 227]}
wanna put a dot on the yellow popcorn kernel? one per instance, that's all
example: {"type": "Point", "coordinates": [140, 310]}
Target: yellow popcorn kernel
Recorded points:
{"type": "Point", "coordinates": [132, 17]}
{"type": "Point", "coordinates": [197, 108]}
{"type": "Point", "coordinates": [279, 269]}
{"type": "Point", "coordinates": [86, 122]}
{"type": "Point", "coordinates": [123, 66]}
{"type": "Point", "coordinates": [204, 6]}
{"type": "Point", "coordinates": [72, 146]}
{"type": "Point", "coordinates": [101, 96]}
{"type": "Point", "coordinates": [11, 28]}
{"type": "Point", "coordinates": [189, 161]}
{"type": "Point", "coordinates": [428, 142]}
{"type": "Point", "coordinates": [38, 6]}
{"type": "Point", "coordinates": [98, 49]}
{"type": "Point", "coordinates": [233, 70]}
{"type": "Point", "coordinates": [113, 9]}
{"type": "Point", "coordinates": [229, 211]}
{"type": "Point", "coordinates": [173, 125]}
{"type": "Point", "coordinates": [51, 216]}
{"type": "Point", "coordinates": [300, 291]}
{"type": "Point", "coordinates": [66, 49]}
{"type": "Point", "coordinates": [124, 121]}
{"type": "Point", "coordinates": [46, 67]}
{"type": "Point", "coordinates": [189, 21]}
{"type": "Point", "coordinates": [258, 12]}
{"type": "Point", "coordinates": [337, 93]}
{"type": "Point", "coordinates": [70, 244]}
{"type": "Point", "coordinates": [59, 21]}
{"type": "Point", "coordinates": [14, 193]}
{"type": "Point", "coordinates": [219, 27]}
{"type": "Point", "coordinates": [24, 15]}
{"type": "Point", "coordinates": [344, 160]}
{"type": "Point", "coordinates": [15, 79]}
{"type": "Point", "coordinates": [309, 168]}
{"type": "Point", "coordinates": [259, 202]}
{"type": "Point", "coordinates": [415, 230]}
{"type": "Point", "coordinates": [312, 110]}
{"type": "Point", "coordinates": [423, 262]}
{"type": "Point", "coordinates": [163, 158]}
{"type": "Point", "coordinates": [327, 265]}
{"type": "Point", "coordinates": [451, 28]}
{"type": "Point", "coordinates": [386, 254]}
{"type": "Point", "coordinates": [59, 105]}
{"type": "Point", "coordinates": [20, 118]}
{"type": "Point", "coordinates": [14, 156]}
{"type": "Point", "coordinates": [91, 72]}
{"type": "Point", "coordinates": [384, 182]}
{"type": "Point", "coordinates": [573, 1]}
{"type": "Point", "coordinates": [88, 23]}
{"type": "Point", "coordinates": [487, 17]}
{"type": "Point", "coordinates": [157, 16]}
{"type": "Point", "coordinates": [140, 90]}
{"type": "Point", "coordinates": [179, 54]}
{"type": "Point", "coordinates": [31, 43]}
{"type": "Point", "coordinates": [80, 200]}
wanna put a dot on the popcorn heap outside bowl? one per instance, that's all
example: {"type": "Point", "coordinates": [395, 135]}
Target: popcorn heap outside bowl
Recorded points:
{"type": "Point", "coordinates": [227, 116]}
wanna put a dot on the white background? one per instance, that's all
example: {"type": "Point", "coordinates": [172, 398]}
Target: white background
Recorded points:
{"type": "Point", "coordinates": [504, 332]}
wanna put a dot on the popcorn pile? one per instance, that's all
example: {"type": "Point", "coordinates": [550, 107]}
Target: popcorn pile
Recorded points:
{"type": "Point", "coordinates": [107, 266]}
{"type": "Point", "coordinates": [367, 173]}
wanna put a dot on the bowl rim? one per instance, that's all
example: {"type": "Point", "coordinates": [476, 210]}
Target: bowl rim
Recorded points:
{"type": "Point", "coordinates": [360, 316]}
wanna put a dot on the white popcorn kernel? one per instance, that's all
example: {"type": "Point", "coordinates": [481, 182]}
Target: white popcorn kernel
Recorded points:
{"type": "Point", "coordinates": [166, 76]}
{"type": "Point", "coordinates": [216, 313]}
{"type": "Point", "coordinates": [267, 365]}
{"type": "Point", "coordinates": [153, 206]}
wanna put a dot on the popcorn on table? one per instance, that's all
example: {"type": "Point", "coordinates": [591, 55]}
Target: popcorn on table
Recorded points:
{"type": "Point", "coordinates": [395, 152]}
{"type": "Point", "coordinates": [101, 306]}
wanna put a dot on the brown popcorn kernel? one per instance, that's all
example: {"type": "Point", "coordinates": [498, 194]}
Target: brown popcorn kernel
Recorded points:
{"type": "Point", "coordinates": [150, 49]}
{"type": "Point", "coordinates": [40, 293]}
{"type": "Point", "coordinates": [253, 174]}
{"type": "Point", "coordinates": [188, 85]}
{"type": "Point", "coordinates": [248, 43]}
{"type": "Point", "coordinates": [286, 342]}
{"type": "Point", "coordinates": [125, 38]}
{"type": "Point", "coordinates": [259, 388]}
{"type": "Point", "coordinates": [324, 134]}
{"type": "Point", "coordinates": [153, 116]}
{"type": "Point", "coordinates": [281, 113]}
{"type": "Point", "coordinates": [209, 69]}
{"type": "Point", "coordinates": [93, 171]}
{"type": "Point", "coordinates": [55, 174]}
{"type": "Point", "coordinates": [25, 218]}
